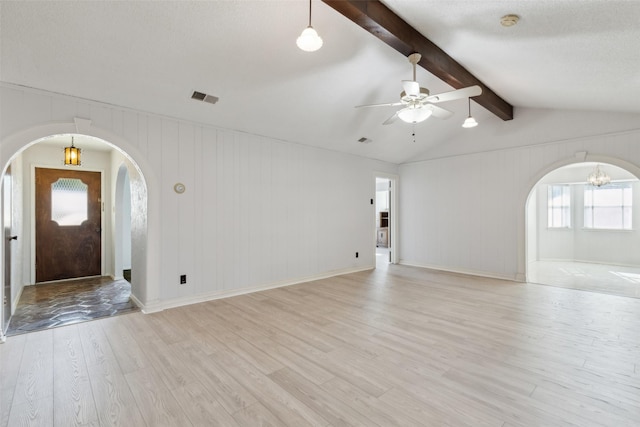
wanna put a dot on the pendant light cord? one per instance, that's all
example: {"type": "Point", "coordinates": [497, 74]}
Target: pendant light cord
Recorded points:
{"type": "Point", "coordinates": [309, 12]}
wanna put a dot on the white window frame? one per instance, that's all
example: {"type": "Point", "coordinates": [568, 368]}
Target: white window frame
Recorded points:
{"type": "Point", "coordinates": [622, 207]}
{"type": "Point", "coordinates": [563, 204]}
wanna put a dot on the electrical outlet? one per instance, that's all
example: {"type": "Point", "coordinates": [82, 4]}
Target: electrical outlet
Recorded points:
{"type": "Point", "coordinates": [356, 254]}
{"type": "Point", "coordinates": [183, 279]}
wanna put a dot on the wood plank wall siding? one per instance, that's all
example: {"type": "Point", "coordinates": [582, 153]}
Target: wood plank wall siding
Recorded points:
{"type": "Point", "coordinates": [255, 208]}
{"type": "Point", "coordinates": [407, 347]}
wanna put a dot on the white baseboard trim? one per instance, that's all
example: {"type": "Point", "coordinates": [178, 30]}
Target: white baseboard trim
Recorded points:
{"type": "Point", "coordinates": [486, 274]}
{"type": "Point", "coordinates": [137, 302]}
{"type": "Point", "coordinates": [160, 305]}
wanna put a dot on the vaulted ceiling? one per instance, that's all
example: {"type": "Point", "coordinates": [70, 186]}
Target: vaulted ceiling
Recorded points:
{"type": "Point", "coordinates": [151, 56]}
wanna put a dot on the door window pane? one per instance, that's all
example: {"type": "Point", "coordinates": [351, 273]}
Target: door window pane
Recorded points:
{"type": "Point", "coordinates": [69, 201]}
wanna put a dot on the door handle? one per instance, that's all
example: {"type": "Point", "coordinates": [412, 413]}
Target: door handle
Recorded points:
{"type": "Point", "coordinates": [12, 238]}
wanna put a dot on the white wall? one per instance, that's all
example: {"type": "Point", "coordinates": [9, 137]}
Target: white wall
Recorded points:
{"type": "Point", "coordinates": [256, 211]}
{"type": "Point", "coordinates": [532, 226]}
{"type": "Point", "coordinates": [464, 210]}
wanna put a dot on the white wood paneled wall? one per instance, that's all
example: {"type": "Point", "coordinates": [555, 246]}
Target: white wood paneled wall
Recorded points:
{"type": "Point", "coordinates": [465, 212]}
{"type": "Point", "coordinates": [257, 211]}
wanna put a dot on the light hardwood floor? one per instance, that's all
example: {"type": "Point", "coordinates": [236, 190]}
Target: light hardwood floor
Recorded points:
{"type": "Point", "coordinates": [402, 347]}
{"type": "Point", "coordinates": [609, 279]}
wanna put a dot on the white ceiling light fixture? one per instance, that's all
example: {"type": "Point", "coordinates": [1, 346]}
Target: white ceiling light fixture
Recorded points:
{"type": "Point", "coordinates": [469, 122]}
{"type": "Point", "coordinates": [598, 177]}
{"type": "Point", "coordinates": [414, 114]}
{"type": "Point", "coordinates": [309, 40]}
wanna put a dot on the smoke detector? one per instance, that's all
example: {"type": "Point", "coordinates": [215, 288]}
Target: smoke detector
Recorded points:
{"type": "Point", "coordinates": [509, 20]}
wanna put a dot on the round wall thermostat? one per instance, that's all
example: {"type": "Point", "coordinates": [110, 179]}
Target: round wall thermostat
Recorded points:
{"type": "Point", "coordinates": [179, 188]}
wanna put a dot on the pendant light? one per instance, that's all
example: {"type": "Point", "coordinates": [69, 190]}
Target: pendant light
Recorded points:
{"type": "Point", "coordinates": [598, 177]}
{"type": "Point", "coordinates": [72, 155]}
{"type": "Point", "coordinates": [469, 122]}
{"type": "Point", "coordinates": [309, 40]}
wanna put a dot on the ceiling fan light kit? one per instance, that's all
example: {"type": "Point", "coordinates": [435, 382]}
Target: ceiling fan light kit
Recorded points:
{"type": "Point", "coordinates": [309, 40]}
{"type": "Point", "coordinates": [417, 104]}
{"type": "Point", "coordinates": [414, 114]}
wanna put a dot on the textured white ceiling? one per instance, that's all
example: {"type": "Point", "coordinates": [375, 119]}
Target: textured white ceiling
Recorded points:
{"type": "Point", "coordinates": [151, 55]}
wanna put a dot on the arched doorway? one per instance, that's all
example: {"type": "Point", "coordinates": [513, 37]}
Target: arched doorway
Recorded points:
{"type": "Point", "coordinates": [584, 236]}
{"type": "Point", "coordinates": [119, 164]}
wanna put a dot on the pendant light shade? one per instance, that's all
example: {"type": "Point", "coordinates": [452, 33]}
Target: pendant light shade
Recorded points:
{"type": "Point", "coordinates": [72, 155]}
{"type": "Point", "coordinates": [309, 40]}
{"type": "Point", "coordinates": [469, 122]}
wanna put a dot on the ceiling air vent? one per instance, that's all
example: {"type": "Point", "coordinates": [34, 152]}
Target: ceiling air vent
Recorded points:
{"type": "Point", "coordinates": [204, 97]}
{"type": "Point", "coordinates": [364, 140]}
{"type": "Point", "coordinates": [211, 99]}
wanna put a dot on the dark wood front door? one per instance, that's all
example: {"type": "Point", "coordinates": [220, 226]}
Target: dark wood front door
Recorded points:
{"type": "Point", "coordinates": [68, 224]}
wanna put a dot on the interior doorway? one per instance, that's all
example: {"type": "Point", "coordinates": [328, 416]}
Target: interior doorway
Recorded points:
{"type": "Point", "coordinates": [585, 236]}
{"type": "Point", "coordinates": [385, 220]}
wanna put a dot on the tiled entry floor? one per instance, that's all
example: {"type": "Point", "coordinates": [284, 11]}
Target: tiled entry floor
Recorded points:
{"type": "Point", "coordinates": [63, 303]}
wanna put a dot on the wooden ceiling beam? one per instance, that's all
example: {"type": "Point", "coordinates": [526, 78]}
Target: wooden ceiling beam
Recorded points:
{"type": "Point", "coordinates": [380, 21]}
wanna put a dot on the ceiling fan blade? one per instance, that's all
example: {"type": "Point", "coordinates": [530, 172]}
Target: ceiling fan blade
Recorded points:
{"type": "Point", "coordinates": [388, 104]}
{"type": "Point", "coordinates": [466, 92]}
{"type": "Point", "coordinates": [439, 112]}
{"type": "Point", "coordinates": [411, 88]}
{"type": "Point", "coordinates": [391, 119]}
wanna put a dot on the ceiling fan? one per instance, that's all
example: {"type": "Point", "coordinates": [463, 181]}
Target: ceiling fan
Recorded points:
{"type": "Point", "coordinates": [418, 104]}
